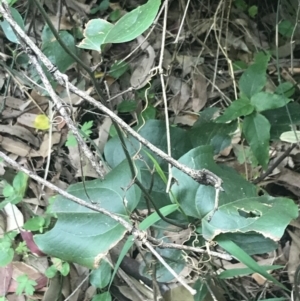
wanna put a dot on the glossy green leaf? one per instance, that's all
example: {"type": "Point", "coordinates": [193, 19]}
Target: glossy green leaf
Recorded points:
{"type": "Point", "coordinates": [263, 101]}
{"type": "Point", "coordinates": [254, 78]}
{"type": "Point", "coordinates": [256, 129]}
{"type": "Point", "coordinates": [78, 227]}
{"type": "Point", "coordinates": [134, 23]}
{"type": "Point", "coordinates": [238, 108]}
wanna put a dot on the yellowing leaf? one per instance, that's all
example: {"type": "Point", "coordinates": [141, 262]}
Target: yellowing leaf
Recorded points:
{"type": "Point", "coordinates": [41, 122]}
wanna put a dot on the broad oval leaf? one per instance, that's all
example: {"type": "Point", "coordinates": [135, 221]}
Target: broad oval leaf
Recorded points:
{"type": "Point", "coordinates": [240, 210]}
{"type": "Point", "coordinates": [134, 23]}
{"type": "Point", "coordinates": [85, 236]}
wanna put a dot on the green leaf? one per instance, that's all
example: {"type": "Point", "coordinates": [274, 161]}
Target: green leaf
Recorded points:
{"type": "Point", "coordinates": [8, 190]}
{"type": "Point", "coordinates": [118, 69]}
{"type": "Point", "coordinates": [35, 223]}
{"type": "Point", "coordinates": [102, 297]}
{"type": "Point", "coordinates": [78, 227]}
{"type": "Point", "coordinates": [290, 136]}
{"type": "Point", "coordinates": [55, 53]}
{"type": "Point", "coordinates": [243, 257]}
{"type": "Point", "coordinates": [6, 253]}
{"type": "Point", "coordinates": [208, 132]}
{"type": "Point", "coordinates": [254, 78]}
{"type": "Point", "coordinates": [95, 33]}
{"type": "Point", "coordinates": [144, 225]}
{"type": "Point", "coordinates": [198, 200]}
{"type": "Point", "coordinates": [51, 271]}
{"type": "Point", "coordinates": [134, 23]}
{"type": "Point", "coordinates": [252, 11]}
{"type": "Point", "coordinates": [256, 129]}
{"type": "Point", "coordinates": [71, 140]}
{"type": "Point", "coordinates": [284, 116]}
{"type": "Point", "coordinates": [100, 277]}
{"type": "Point", "coordinates": [263, 101]}
{"type": "Point", "coordinates": [253, 243]}
{"type": "Point", "coordinates": [155, 132]}
{"type": "Point", "coordinates": [8, 31]}
{"type": "Point", "coordinates": [286, 28]}
{"type": "Point", "coordinates": [127, 106]}
{"type": "Point", "coordinates": [20, 182]}
{"type": "Point", "coordinates": [86, 127]}
{"type": "Point", "coordinates": [286, 89]}
{"type": "Point", "coordinates": [239, 208]}
{"type": "Point", "coordinates": [238, 108]}
{"type": "Point", "coordinates": [258, 214]}
{"type": "Point", "coordinates": [25, 285]}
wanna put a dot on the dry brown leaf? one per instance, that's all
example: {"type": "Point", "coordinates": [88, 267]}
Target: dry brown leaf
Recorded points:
{"type": "Point", "coordinates": [27, 119]}
{"type": "Point", "coordinates": [141, 74]}
{"type": "Point", "coordinates": [20, 268]}
{"type": "Point", "coordinates": [188, 62]}
{"type": "Point", "coordinates": [289, 179]}
{"type": "Point", "coordinates": [87, 168]}
{"type": "Point", "coordinates": [5, 278]}
{"type": "Point", "coordinates": [20, 132]}
{"type": "Point", "coordinates": [13, 146]}
{"type": "Point", "coordinates": [44, 148]}
{"type": "Point", "coordinates": [186, 119]}
{"type": "Point", "coordinates": [182, 93]}
{"type": "Point", "coordinates": [199, 89]}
